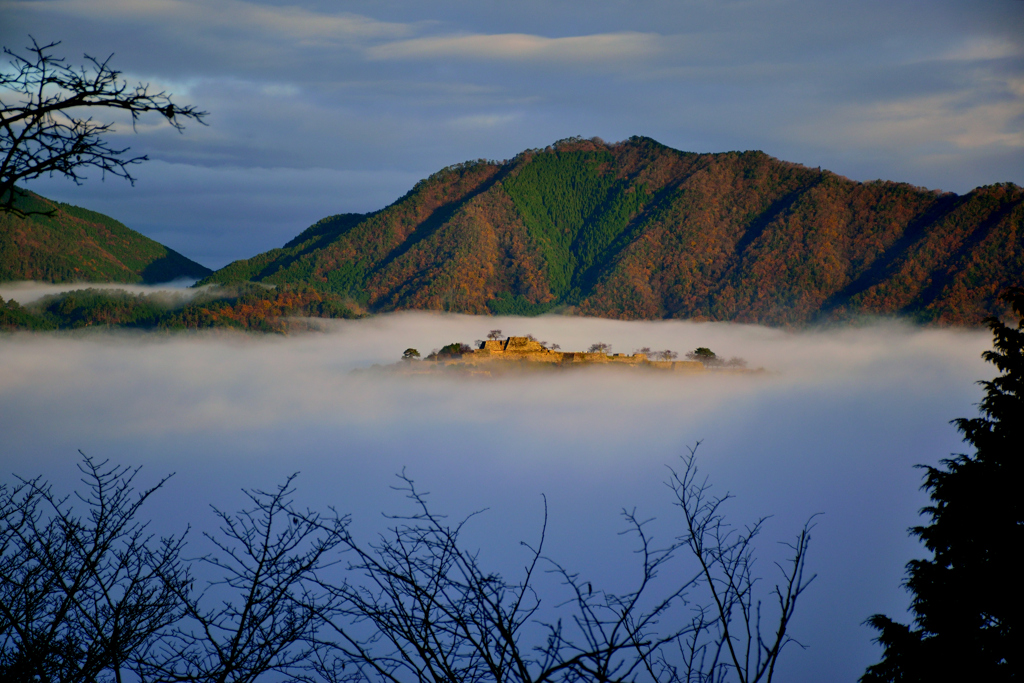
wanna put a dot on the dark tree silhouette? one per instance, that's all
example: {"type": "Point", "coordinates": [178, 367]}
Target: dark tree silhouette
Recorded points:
{"type": "Point", "coordinates": [726, 638]}
{"type": "Point", "coordinates": [968, 599]}
{"type": "Point", "coordinates": [427, 610]}
{"type": "Point", "coordinates": [260, 611]}
{"type": "Point", "coordinates": [704, 355]}
{"type": "Point", "coordinates": [46, 126]}
{"type": "Point", "coordinates": [82, 600]}
{"type": "Point", "coordinates": [83, 593]}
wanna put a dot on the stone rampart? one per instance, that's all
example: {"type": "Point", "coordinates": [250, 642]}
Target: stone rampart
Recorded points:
{"type": "Point", "coordinates": [526, 350]}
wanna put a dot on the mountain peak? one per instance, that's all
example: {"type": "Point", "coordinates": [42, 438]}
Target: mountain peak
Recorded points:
{"type": "Point", "coordinates": [638, 230]}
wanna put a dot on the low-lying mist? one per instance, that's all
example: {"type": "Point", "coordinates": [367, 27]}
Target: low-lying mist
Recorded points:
{"type": "Point", "coordinates": [834, 426]}
{"type": "Point", "coordinates": [26, 292]}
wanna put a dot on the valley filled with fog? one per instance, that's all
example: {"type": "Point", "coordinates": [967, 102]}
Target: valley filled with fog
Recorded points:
{"type": "Point", "coordinates": [834, 426]}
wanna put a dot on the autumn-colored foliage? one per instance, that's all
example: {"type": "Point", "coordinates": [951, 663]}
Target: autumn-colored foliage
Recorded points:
{"type": "Point", "coordinates": [58, 242]}
{"type": "Point", "coordinates": [251, 307]}
{"type": "Point", "coordinates": [636, 230]}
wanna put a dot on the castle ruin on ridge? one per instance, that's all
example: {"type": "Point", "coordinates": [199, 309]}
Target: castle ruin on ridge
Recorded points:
{"type": "Point", "coordinates": [527, 350]}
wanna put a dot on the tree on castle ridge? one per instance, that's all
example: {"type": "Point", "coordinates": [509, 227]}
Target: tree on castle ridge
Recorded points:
{"type": "Point", "coordinates": [968, 599]}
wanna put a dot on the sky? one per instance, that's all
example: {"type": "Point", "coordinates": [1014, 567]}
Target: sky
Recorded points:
{"type": "Point", "coordinates": [318, 108]}
{"type": "Point", "coordinates": [833, 429]}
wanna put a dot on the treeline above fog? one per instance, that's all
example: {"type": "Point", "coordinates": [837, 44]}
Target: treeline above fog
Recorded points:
{"type": "Point", "coordinates": [633, 230]}
{"type": "Point", "coordinates": [637, 230]}
{"type": "Point", "coordinates": [248, 307]}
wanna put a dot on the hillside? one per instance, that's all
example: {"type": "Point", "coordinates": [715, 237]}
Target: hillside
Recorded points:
{"type": "Point", "coordinates": [252, 308]}
{"type": "Point", "coordinates": [637, 230]}
{"type": "Point", "coordinates": [76, 245]}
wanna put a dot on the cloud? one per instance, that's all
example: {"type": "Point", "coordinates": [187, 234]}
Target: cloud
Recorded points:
{"type": "Point", "coordinates": [205, 16]}
{"type": "Point", "coordinates": [990, 115]}
{"type": "Point", "coordinates": [983, 48]}
{"type": "Point", "coordinates": [596, 48]}
{"type": "Point", "coordinates": [835, 428]}
{"type": "Point", "coordinates": [311, 380]}
{"type": "Point", "coordinates": [486, 120]}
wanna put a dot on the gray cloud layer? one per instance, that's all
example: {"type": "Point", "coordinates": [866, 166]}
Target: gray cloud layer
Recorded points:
{"type": "Point", "coordinates": [835, 428]}
{"type": "Point", "coordinates": [381, 93]}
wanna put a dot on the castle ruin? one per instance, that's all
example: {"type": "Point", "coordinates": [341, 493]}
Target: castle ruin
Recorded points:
{"type": "Point", "coordinates": [527, 350]}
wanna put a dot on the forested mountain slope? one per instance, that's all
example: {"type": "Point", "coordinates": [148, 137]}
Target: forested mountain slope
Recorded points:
{"type": "Point", "coordinates": [637, 230]}
{"type": "Point", "coordinates": [72, 244]}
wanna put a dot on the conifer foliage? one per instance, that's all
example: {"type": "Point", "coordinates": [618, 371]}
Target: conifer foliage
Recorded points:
{"type": "Point", "coordinates": [968, 599]}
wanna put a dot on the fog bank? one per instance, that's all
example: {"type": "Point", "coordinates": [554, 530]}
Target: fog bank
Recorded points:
{"type": "Point", "coordinates": [834, 426]}
{"type": "Point", "coordinates": [26, 292]}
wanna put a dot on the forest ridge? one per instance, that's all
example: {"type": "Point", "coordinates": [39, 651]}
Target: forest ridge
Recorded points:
{"type": "Point", "coordinates": [57, 242]}
{"type": "Point", "coordinates": [631, 230]}
{"type": "Point", "coordinates": [637, 230]}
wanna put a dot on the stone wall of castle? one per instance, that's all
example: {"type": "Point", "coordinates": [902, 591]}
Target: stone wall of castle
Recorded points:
{"type": "Point", "coordinates": [525, 349]}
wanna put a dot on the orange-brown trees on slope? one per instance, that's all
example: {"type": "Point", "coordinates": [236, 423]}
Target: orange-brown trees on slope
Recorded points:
{"type": "Point", "coordinates": [637, 230]}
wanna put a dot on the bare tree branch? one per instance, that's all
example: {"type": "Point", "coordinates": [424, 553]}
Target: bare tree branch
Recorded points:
{"type": "Point", "coordinates": [46, 127]}
{"type": "Point", "coordinates": [82, 595]}
{"type": "Point", "coordinates": [84, 598]}
{"type": "Point", "coordinates": [731, 641]}
{"type": "Point", "coordinates": [260, 611]}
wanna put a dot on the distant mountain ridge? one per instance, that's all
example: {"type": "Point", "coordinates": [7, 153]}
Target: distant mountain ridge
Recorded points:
{"type": "Point", "coordinates": [62, 243]}
{"type": "Point", "coordinates": [637, 230]}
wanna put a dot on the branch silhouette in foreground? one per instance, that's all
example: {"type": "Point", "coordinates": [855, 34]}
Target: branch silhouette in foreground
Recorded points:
{"type": "Point", "coordinates": [82, 594]}
{"type": "Point", "coordinates": [260, 610]}
{"type": "Point", "coordinates": [46, 126]}
{"type": "Point", "coordinates": [418, 606]}
{"type": "Point", "coordinates": [726, 637]}
{"type": "Point", "coordinates": [289, 594]}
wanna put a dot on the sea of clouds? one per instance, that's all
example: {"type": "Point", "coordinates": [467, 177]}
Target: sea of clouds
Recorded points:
{"type": "Point", "coordinates": [834, 426]}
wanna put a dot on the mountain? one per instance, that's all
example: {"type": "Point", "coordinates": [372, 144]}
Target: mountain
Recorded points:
{"type": "Point", "coordinates": [637, 230]}
{"type": "Point", "coordinates": [62, 243]}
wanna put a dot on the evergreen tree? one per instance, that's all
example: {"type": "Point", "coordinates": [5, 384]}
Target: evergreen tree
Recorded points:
{"type": "Point", "coordinates": [968, 600]}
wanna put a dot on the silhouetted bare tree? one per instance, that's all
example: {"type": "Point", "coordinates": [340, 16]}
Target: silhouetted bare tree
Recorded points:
{"type": "Point", "coordinates": [418, 606]}
{"type": "Point", "coordinates": [426, 610]}
{"type": "Point", "coordinates": [726, 639]}
{"type": "Point", "coordinates": [82, 600]}
{"type": "Point", "coordinates": [46, 126]}
{"type": "Point", "coordinates": [82, 591]}
{"type": "Point", "coordinates": [263, 604]}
